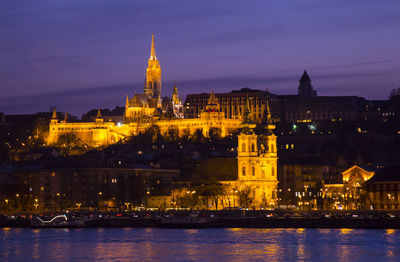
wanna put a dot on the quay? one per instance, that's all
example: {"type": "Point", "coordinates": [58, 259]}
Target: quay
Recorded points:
{"type": "Point", "coordinates": [231, 219]}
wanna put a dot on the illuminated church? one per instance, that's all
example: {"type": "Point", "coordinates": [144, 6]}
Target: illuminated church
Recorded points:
{"type": "Point", "coordinates": [144, 111]}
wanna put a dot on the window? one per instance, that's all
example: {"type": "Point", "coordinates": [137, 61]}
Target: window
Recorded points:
{"type": "Point", "coordinates": [252, 148]}
{"type": "Point", "coordinates": [263, 175]}
{"type": "Point", "coordinates": [243, 171]}
{"type": "Point", "coordinates": [273, 171]}
{"type": "Point", "coordinates": [253, 170]}
{"type": "Point", "coordinates": [114, 180]}
{"type": "Point", "coordinates": [243, 147]}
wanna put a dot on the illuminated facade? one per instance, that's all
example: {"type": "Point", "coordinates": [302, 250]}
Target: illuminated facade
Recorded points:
{"type": "Point", "coordinates": [144, 111]}
{"type": "Point", "coordinates": [351, 194]}
{"type": "Point", "coordinates": [257, 164]}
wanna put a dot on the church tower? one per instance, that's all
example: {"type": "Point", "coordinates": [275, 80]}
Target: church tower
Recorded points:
{"type": "Point", "coordinates": [305, 88]}
{"type": "Point", "coordinates": [152, 86]}
{"type": "Point", "coordinates": [257, 160]}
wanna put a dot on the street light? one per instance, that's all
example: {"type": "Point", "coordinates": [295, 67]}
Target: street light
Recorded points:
{"type": "Point", "coordinates": [36, 204]}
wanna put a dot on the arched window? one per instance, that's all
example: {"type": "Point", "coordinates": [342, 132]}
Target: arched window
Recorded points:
{"type": "Point", "coordinates": [263, 175]}
{"type": "Point", "coordinates": [272, 171]}
{"type": "Point", "coordinates": [253, 170]}
{"type": "Point", "coordinates": [252, 148]}
{"type": "Point", "coordinates": [243, 171]}
{"type": "Point", "coordinates": [243, 147]}
{"type": "Point", "coordinates": [272, 148]}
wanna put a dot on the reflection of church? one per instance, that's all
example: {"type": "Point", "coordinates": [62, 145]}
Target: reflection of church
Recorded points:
{"type": "Point", "coordinates": [144, 111]}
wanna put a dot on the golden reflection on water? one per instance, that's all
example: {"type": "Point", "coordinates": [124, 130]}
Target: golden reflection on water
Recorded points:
{"type": "Point", "coordinates": [346, 231]}
{"type": "Point", "coordinates": [234, 244]}
{"type": "Point", "coordinates": [390, 231]}
{"type": "Point", "coordinates": [391, 238]}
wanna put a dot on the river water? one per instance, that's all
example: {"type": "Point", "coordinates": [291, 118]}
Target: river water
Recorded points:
{"type": "Point", "coordinates": [149, 244]}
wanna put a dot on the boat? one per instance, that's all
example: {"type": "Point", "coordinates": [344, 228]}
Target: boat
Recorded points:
{"type": "Point", "coordinates": [59, 221]}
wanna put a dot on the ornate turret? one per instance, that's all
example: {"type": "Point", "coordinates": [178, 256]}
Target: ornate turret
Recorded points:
{"type": "Point", "coordinates": [65, 118]}
{"type": "Point", "coordinates": [127, 102]}
{"type": "Point", "coordinates": [212, 105]}
{"type": "Point", "coordinates": [247, 123]}
{"type": "Point", "coordinates": [267, 121]}
{"type": "Point", "coordinates": [54, 116]}
{"type": "Point", "coordinates": [175, 96]}
{"type": "Point", "coordinates": [98, 113]}
{"type": "Point", "coordinates": [99, 118]}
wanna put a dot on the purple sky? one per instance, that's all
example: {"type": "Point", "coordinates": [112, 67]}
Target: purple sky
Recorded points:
{"type": "Point", "coordinates": [80, 54]}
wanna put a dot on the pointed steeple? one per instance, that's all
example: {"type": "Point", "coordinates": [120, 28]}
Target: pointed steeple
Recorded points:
{"type": "Point", "coordinates": [305, 77]}
{"type": "Point", "coordinates": [159, 102]}
{"type": "Point", "coordinates": [212, 100]}
{"type": "Point", "coordinates": [247, 113]}
{"type": "Point", "coordinates": [66, 117]}
{"type": "Point", "coordinates": [175, 95]}
{"type": "Point", "coordinates": [305, 88]}
{"type": "Point", "coordinates": [268, 113]}
{"type": "Point", "coordinates": [175, 92]}
{"type": "Point", "coordinates": [153, 49]}
{"type": "Point", "coordinates": [54, 114]}
{"type": "Point", "coordinates": [98, 113]}
{"type": "Point", "coordinates": [247, 123]}
{"type": "Point", "coordinates": [127, 101]}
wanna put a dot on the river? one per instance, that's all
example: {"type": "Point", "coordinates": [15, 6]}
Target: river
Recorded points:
{"type": "Point", "coordinates": [149, 244]}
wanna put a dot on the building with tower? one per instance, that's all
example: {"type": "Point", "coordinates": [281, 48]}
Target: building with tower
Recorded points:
{"type": "Point", "coordinates": [305, 88]}
{"type": "Point", "coordinates": [144, 111]}
{"type": "Point", "coordinates": [257, 163]}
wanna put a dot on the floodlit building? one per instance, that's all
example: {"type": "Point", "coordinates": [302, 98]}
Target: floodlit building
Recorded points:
{"type": "Point", "coordinates": [144, 111]}
{"type": "Point", "coordinates": [351, 193]}
{"type": "Point", "coordinates": [257, 165]}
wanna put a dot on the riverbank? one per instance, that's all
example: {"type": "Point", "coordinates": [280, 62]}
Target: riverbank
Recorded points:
{"type": "Point", "coordinates": [224, 222]}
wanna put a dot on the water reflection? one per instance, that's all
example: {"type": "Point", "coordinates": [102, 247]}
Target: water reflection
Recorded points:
{"type": "Point", "coordinates": [127, 244]}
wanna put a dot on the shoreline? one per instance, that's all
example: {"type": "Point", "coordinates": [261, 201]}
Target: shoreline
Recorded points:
{"type": "Point", "coordinates": [221, 222]}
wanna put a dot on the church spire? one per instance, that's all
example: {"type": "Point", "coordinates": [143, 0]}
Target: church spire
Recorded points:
{"type": "Point", "coordinates": [153, 50]}
{"type": "Point", "coordinates": [98, 113]}
{"type": "Point", "coordinates": [54, 114]}
{"type": "Point", "coordinates": [247, 123]}
{"type": "Point", "coordinates": [175, 95]}
{"type": "Point", "coordinates": [305, 77]}
{"type": "Point", "coordinates": [267, 115]}
{"type": "Point", "coordinates": [212, 100]}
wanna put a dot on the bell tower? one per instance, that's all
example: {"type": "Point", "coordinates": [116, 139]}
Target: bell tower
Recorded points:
{"type": "Point", "coordinates": [257, 159]}
{"type": "Point", "coordinates": [152, 86]}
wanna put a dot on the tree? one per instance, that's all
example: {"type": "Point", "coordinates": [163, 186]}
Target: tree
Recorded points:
{"type": "Point", "coordinates": [184, 197]}
{"type": "Point", "coordinates": [215, 133]}
{"type": "Point", "coordinates": [173, 134]}
{"type": "Point", "coordinates": [198, 135]}
{"type": "Point", "coordinates": [245, 196]}
{"type": "Point", "coordinates": [69, 141]}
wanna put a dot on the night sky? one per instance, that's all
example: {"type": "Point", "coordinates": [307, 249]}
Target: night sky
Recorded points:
{"type": "Point", "coordinates": [80, 54]}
